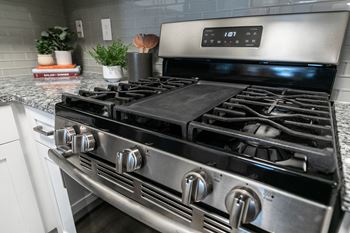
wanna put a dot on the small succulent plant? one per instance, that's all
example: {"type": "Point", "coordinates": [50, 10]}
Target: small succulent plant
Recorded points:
{"type": "Point", "coordinates": [112, 55]}
{"type": "Point", "coordinates": [44, 46]}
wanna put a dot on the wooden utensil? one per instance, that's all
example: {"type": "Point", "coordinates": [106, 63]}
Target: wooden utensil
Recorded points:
{"type": "Point", "coordinates": [150, 41]}
{"type": "Point", "coordinates": [138, 41]}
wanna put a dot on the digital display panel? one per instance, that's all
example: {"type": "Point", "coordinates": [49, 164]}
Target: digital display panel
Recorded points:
{"type": "Point", "coordinates": [232, 36]}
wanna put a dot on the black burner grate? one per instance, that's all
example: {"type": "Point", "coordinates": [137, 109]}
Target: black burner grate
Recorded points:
{"type": "Point", "coordinates": [101, 101]}
{"type": "Point", "coordinates": [287, 127]}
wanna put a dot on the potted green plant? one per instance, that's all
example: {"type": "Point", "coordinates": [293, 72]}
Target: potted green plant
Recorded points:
{"type": "Point", "coordinates": [112, 58]}
{"type": "Point", "coordinates": [45, 52]}
{"type": "Point", "coordinates": [61, 38]}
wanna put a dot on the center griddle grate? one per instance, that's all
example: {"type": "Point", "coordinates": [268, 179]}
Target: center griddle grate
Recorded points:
{"type": "Point", "coordinates": [171, 112]}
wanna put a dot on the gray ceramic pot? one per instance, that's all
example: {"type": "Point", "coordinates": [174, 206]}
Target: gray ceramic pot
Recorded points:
{"type": "Point", "coordinates": [139, 66]}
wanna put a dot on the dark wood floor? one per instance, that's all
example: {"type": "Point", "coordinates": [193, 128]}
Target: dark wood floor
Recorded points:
{"type": "Point", "coordinates": [107, 219]}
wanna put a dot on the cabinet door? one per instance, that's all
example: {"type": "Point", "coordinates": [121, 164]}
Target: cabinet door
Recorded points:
{"type": "Point", "coordinates": [19, 212]}
{"type": "Point", "coordinates": [7, 125]}
{"type": "Point", "coordinates": [45, 193]}
{"type": "Point", "coordinates": [58, 193]}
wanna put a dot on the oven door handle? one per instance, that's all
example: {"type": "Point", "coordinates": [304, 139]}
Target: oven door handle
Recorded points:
{"type": "Point", "coordinates": [128, 206]}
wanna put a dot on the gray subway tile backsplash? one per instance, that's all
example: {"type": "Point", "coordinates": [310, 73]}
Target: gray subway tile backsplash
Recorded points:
{"type": "Point", "coordinates": [21, 22]}
{"type": "Point", "coordinates": [129, 17]}
{"type": "Point", "coordinates": [146, 16]}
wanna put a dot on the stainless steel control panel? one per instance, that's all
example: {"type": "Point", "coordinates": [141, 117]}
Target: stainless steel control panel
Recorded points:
{"type": "Point", "coordinates": [309, 38]}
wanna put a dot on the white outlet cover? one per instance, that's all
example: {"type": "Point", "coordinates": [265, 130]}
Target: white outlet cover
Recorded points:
{"type": "Point", "coordinates": [106, 29]}
{"type": "Point", "coordinates": [79, 28]}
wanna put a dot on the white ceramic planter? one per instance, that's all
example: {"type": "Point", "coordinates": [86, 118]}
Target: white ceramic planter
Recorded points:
{"type": "Point", "coordinates": [112, 73]}
{"type": "Point", "coordinates": [46, 59]}
{"type": "Point", "coordinates": [63, 57]}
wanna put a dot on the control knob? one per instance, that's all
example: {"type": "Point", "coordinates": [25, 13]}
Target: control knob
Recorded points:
{"type": "Point", "coordinates": [83, 143]}
{"type": "Point", "coordinates": [64, 137]}
{"type": "Point", "coordinates": [128, 160]}
{"type": "Point", "coordinates": [196, 185]}
{"type": "Point", "coordinates": [243, 206]}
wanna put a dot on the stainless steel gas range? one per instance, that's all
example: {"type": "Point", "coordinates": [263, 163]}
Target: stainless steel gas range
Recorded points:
{"type": "Point", "coordinates": [238, 135]}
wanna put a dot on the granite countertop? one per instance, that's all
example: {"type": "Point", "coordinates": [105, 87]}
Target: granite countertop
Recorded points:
{"type": "Point", "coordinates": [43, 95]}
{"type": "Point", "coordinates": [342, 113]}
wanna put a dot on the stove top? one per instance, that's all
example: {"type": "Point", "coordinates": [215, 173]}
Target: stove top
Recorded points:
{"type": "Point", "coordinates": [288, 128]}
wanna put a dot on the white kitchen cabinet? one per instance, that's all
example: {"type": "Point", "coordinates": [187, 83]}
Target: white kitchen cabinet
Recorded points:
{"type": "Point", "coordinates": [52, 197]}
{"type": "Point", "coordinates": [19, 212]}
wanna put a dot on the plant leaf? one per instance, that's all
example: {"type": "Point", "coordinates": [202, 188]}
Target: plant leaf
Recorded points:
{"type": "Point", "coordinates": [63, 35]}
{"type": "Point", "coordinates": [44, 34]}
{"type": "Point", "coordinates": [61, 28]}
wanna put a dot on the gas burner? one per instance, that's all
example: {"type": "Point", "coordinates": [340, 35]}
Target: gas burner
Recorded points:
{"type": "Point", "coordinates": [266, 153]}
{"type": "Point", "coordinates": [276, 111]}
{"type": "Point", "coordinates": [262, 130]}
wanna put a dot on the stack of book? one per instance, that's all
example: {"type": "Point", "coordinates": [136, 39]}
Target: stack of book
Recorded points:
{"type": "Point", "coordinates": [56, 72]}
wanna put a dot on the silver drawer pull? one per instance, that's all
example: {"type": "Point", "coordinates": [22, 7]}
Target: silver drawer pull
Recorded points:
{"type": "Point", "coordinates": [40, 130]}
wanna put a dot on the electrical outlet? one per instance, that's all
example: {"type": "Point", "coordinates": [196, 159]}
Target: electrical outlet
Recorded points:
{"type": "Point", "coordinates": [106, 29]}
{"type": "Point", "coordinates": [79, 28]}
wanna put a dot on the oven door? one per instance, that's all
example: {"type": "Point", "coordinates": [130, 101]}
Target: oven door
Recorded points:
{"type": "Point", "coordinates": [110, 202]}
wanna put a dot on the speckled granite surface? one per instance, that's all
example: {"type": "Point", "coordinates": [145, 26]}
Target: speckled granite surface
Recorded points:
{"type": "Point", "coordinates": [342, 112]}
{"type": "Point", "coordinates": [43, 95]}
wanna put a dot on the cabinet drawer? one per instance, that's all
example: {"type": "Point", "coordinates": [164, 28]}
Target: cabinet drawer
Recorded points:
{"type": "Point", "coordinates": [8, 129]}
{"type": "Point", "coordinates": [42, 124]}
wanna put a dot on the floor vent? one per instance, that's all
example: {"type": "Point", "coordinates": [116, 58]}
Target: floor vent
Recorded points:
{"type": "Point", "coordinates": [108, 173]}
{"type": "Point", "coordinates": [85, 162]}
{"type": "Point", "coordinates": [215, 224]}
{"type": "Point", "coordinates": [166, 201]}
